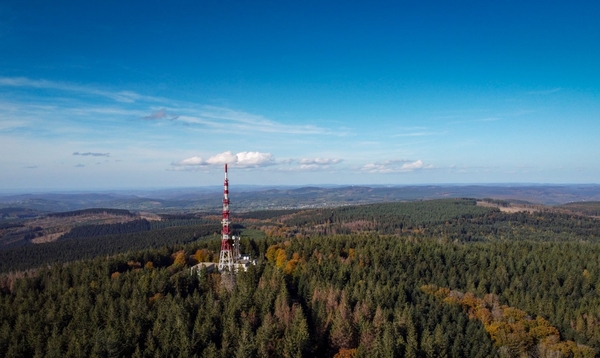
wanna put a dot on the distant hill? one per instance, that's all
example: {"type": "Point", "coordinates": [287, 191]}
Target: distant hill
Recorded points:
{"type": "Point", "coordinates": [18, 213]}
{"type": "Point", "coordinates": [591, 208]}
{"type": "Point", "coordinates": [246, 198]}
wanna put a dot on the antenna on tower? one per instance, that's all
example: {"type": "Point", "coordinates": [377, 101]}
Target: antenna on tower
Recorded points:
{"type": "Point", "coordinates": [226, 256]}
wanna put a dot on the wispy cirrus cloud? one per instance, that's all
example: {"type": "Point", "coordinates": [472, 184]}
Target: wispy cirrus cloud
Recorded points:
{"type": "Point", "coordinates": [241, 160]}
{"type": "Point", "coordinates": [221, 119]}
{"type": "Point", "coordinates": [87, 154]}
{"type": "Point", "coordinates": [57, 113]}
{"type": "Point", "coordinates": [11, 124]}
{"type": "Point", "coordinates": [395, 166]}
{"type": "Point", "coordinates": [415, 134]}
{"type": "Point", "coordinates": [161, 114]}
{"type": "Point", "coordinates": [119, 96]}
{"type": "Point", "coordinates": [478, 120]}
{"type": "Point", "coordinates": [547, 91]}
{"type": "Point", "coordinates": [224, 119]}
{"type": "Point", "coordinates": [72, 103]}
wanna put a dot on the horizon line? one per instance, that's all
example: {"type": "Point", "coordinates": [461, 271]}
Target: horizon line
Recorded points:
{"type": "Point", "coordinates": [22, 191]}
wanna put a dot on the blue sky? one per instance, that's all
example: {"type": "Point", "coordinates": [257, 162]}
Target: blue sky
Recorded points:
{"type": "Point", "coordinates": [104, 95]}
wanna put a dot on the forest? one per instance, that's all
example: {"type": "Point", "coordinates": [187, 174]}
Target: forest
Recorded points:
{"type": "Point", "coordinates": [441, 278]}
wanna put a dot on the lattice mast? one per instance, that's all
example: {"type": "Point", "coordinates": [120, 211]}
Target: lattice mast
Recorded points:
{"type": "Point", "coordinates": [226, 256]}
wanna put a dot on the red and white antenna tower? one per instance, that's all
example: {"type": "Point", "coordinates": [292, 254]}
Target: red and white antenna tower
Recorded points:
{"type": "Point", "coordinates": [226, 256]}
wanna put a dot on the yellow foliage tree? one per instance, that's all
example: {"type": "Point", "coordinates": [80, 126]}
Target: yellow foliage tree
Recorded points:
{"type": "Point", "coordinates": [511, 328]}
{"type": "Point", "coordinates": [290, 267]}
{"type": "Point", "coordinates": [201, 255]}
{"type": "Point", "coordinates": [345, 353]}
{"type": "Point", "coordinates": [281, 257]}
{"type": "Point", "coordinates": [180, 259]}
{"type": "Point", "coordinates": [543, 329]}
{"type": "Point", "coordinates": [587, 274]}
{"type": "Point", "coordinates": [469, 300]}
{"type": "Point", "coordinates": [442, 292]}
{"type": "Point", "coordinates": [271, 254]}
{"type": "Point", "coordinates": [429, 289]}
{"type": "Point", "coordinates": [154, 298]}
{"type": "Point", "coordinates": [483, 314]}
{"type": "Point", "coordinates": [512, 315]}
{"type": "Point", "coordinates": [572, 349]}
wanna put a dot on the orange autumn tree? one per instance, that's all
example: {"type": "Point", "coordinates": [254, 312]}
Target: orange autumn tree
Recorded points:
{"type": "Point", "coordinates": [512, 330]}
{"type": "Point", "coordinates": [292, 264]}
{"type": "Point", "coordinates": [201, 255]}
{"type": "Point", "coordinates": [180, 259]}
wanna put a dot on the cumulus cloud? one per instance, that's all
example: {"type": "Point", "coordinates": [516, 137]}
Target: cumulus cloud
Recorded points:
{"type": "Point", "coordinates": [222, 158]}
{"type": "Point", "coordinates": [319, 161]}
{"type": "Point", "coordinates": [395, 166]}
{"type": "Point", "coordinates": [189, 162]}
{"type": "Point", "coordinates": [254, 159]}
{"type": "Point", "coordinates": [418, 164]}
{"type": "Point", "coordinates": [87, 154]}
{"type": "Point", "coordinates": [241, 159]}
{"type": "Point", "coordinates": [161, 114]}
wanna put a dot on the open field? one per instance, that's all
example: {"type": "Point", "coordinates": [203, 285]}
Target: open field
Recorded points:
{"type": "Point", "coordinates": [48, 228]}
{"type": "Point", "coordinates": [510, 207]}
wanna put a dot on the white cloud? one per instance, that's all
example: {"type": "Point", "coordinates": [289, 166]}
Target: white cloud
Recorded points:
{"type": "Point", "coordinates": [395, 166]}
{"type": "Point", "coordinates": [319, 161]}
{"type": "Point", "coordinates": [222, 158]}
{"type": "Point", "coordinates": [311, 167]}
{"type": "Point", "coordinates": [241, 159]}
{"type": "Point", "coordinates": [308, 164]}
{"type": "Point", "coordinates": [92, 154]}
{"type": "Point", "coordinates": [254, 159]}
{"type": "Point", "coordinates": [189, 161]}
{"type": "Point", "coordinates": [418, 164]}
